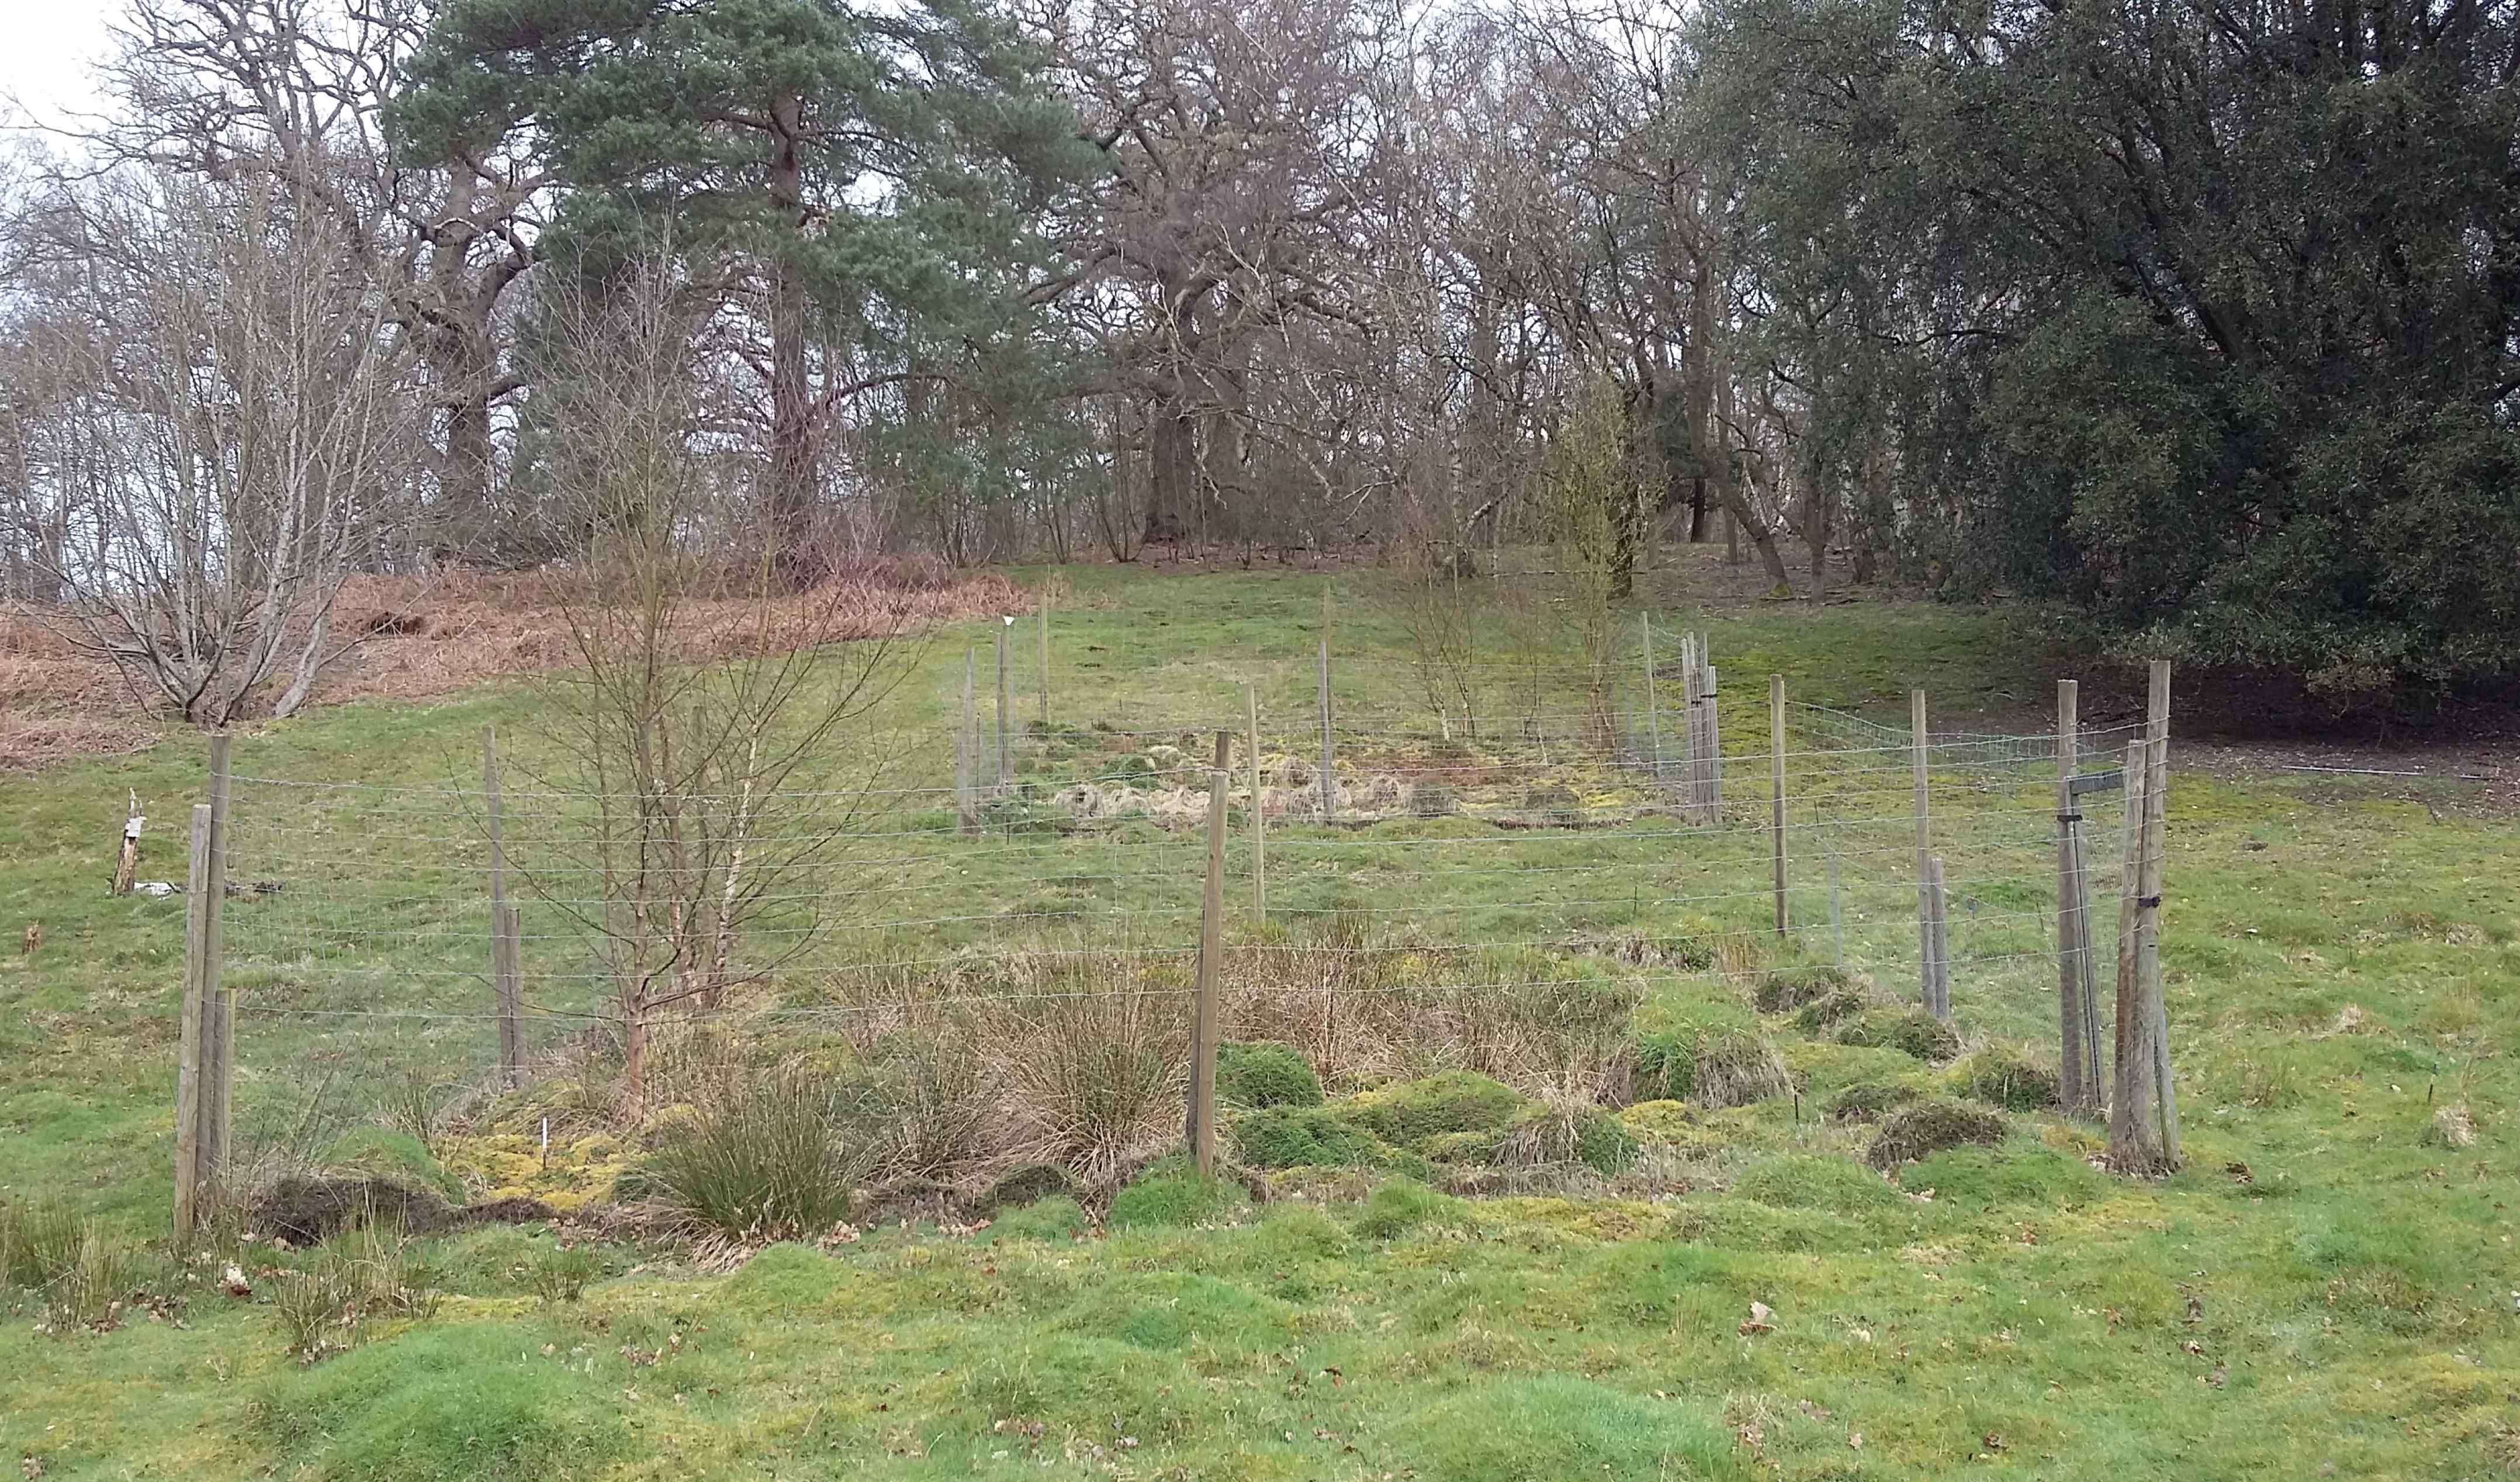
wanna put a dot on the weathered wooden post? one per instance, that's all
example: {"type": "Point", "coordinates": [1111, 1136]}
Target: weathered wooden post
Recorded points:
{"type": "Point", "coordinates": [2135, 1144]}
{"type": "Point", "coordinates": [1206, 1011]}
{"type": "Point", "coordinates": [1044, 661]}
{"type": "Point", "coordinates": [507, 989]}
{"type": "Point", "coordinates": [1777, 790]}
{"type": "Point", "coordinates": [126, 859]}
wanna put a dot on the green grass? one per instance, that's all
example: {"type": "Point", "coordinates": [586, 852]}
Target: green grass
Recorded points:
{"type": "Point", "coordinates": [2317, 1293]}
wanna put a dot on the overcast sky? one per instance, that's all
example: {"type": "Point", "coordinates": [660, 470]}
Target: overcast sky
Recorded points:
{"type": "Point", "coordinates": [46, 48]}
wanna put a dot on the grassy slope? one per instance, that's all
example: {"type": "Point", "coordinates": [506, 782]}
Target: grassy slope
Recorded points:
{"type": "Point", "coordinates": [2352, 1302]}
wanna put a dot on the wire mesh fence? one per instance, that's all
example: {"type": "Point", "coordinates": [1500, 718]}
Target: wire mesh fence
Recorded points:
{"type": "Point", "coordinates": [1450, 892]}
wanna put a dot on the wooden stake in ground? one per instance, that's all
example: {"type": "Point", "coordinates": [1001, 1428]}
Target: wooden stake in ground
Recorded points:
{"type": "Point", "coordinates": [1918, 747]}
{"type": "Point", "coordinates": [126, 860]}
{"type": "Point", "coordinates": [1045, 662]}
{"type": "Point", "coordinates": [507, 988]}
{"type": "Point", "coordinates": [190, 1031]}
{"type": "Point", "coordinates": [1259, 814]}
{"type": "Point", "coordinates": [1938, 907]}
{"type": "Point", "coordinates": [1330, 761]}
{"type": "Point", "coordinates": [1776, 788]}
{"type": "Point", "coordinates": [1206, 1014]}
{"type": "Point", "coordinates": [2135, 1127]}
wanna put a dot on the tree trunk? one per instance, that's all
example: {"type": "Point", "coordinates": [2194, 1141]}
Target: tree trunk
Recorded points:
{"type": "Point", "coordinates": [792, 430]}
{"type": "Point", "coordinates": [1172, 487]}
{"type": "Point", "coordinates": [461, 366]}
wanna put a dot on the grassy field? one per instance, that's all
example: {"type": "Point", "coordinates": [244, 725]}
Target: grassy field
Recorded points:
{"type": "Point", "coordinates": [2323, 1291]}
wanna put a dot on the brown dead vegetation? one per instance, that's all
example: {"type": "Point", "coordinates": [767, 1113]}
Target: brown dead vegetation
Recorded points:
{"type": "Point", "coordinates": [407, 638]}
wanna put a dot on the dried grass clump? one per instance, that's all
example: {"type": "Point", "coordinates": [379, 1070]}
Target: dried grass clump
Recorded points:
{"type": "Point", "coordinates": [2450, 1129]}
{"type": "Point", "coordinates": [1928, 1127]}
{"type": "Point", "coordinates": [774, 1155]}
{"type": "Point", "coordinates": [1710, 1065]}
{"type": "Point", "coordinates": [1095, 1061]}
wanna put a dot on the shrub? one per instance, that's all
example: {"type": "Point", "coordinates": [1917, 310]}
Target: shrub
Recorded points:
{"type": "Point", "coordinates": [1782, 989]}
{"type": "Point", "coordinates": [1261, 1075]}
{"type": "Point", "coordinates": [1710, 1065]}
{"type": "Point", "coordinates": [560, 1273]}
{"type": "Point", "coordinates": [1910, 1031]}
{"type": "Point", "coordinates": [1307, 1137]}
{"type": "Point", "coordinates": [1402, 1205]}
{"type": "Point", "coordinates": [1913, 1132]}
{"type": "Point", "coordinates": [1172, 1192]}
{"type": "Point", "coordinates": [1870, 1101]}
{"type": "Point", "coordinates": [1414, 1113]}
{"type": "Point", "coordinates": [778, 1156]}
{"type": "Point", "coordinates": [2003, 1076]}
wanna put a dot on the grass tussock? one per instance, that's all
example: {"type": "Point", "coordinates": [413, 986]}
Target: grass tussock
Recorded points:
{"type": "Point", "coordinates": [773, 1155]}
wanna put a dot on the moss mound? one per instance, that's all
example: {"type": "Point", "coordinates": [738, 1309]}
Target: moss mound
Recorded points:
{"type": "Point", "coordinates": [1829, 1010]}
{"type": "Point", "coordinates": [395, 1156]}
{"type": "Point", "coordinates": [1803, 1181]}
{"type": "Point", "coordinates": [1712, 1065]}
{"type": "Point", "coordinates": [1265, 1075]}
{"type": "Point", "coordinates": [1309, 1137]}
{"type": "Point", "coordinates": [1541, 1136]}
{"type": "Point", "coordinates": [1871, 1101]}
{"type": "Point", "coordinates": [1413, 1114]}
{"type": "Point", "coordinates": [1910, 1031]}
{"type": "Point", "coordinates": [2003, 1076]}
{"type": "Point", "coordinates": [1783, 990]}
{"type": "Point", "coordinates": [1173, 1193]}
{"type": "Point", "coordinates": [1402, 1205]}
{"type": "Point", "coordinates": [1928, 1127]}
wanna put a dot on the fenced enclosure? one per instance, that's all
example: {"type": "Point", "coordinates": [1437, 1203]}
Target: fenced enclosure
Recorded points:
{"type": "Point", "coordinates": [1005, 917]}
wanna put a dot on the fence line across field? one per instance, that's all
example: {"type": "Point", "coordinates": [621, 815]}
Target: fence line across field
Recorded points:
{"type": "Point", "coordinates": [468, 934]}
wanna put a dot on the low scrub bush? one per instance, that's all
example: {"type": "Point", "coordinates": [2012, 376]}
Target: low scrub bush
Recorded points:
{"type": "Point", "coordinates": [1263, 1075]}
{"type": "Point", "coordinates": [1928, 1127]}
{"type": "Point", "coordinates": [1910, 1031]}
{"type": "Point", "coordinates": [777, 1154]}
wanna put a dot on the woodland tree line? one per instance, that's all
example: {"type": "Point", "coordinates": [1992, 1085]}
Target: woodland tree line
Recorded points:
{"type": "Point", "coordinates": [2199, 317]}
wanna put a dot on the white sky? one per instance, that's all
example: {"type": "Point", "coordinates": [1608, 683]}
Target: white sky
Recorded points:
{"type": "Point", "coordinates": [46, 48]}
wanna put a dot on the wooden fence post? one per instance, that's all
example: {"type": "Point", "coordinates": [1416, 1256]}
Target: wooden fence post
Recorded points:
{"type": "Point", "coordinates": [1919, 763]}
{"type": "Point", "coordinates": [1329, 773]}
{"type": "Point", "coordinates": [1714, 722]}
{"type": "Point", "coordinates": [1776, 788]}
{"type": "Point", "coordinates": [507, 989]}
{"type": "Point", "coordinates": [189, 1031]}
{"type": "Point", "coordinates": [1044, 661]}
{"type": "Point", "coordinates": [218, 1001]}
{"type": "Point", "coordinates": [1653, 711]}
{"type": "Point", "coordinates": [967, 818]}
{"type": "Point", "coordinates": [126, 859]}
{"type": "Point", "coordinates": [1692, 753]}
{"type": "Point", "coordinates": [1206, 1013]}
{"type": "Point", "coordinates": [2076, 1082]}
{"type": "Point", "coordinates": [2156, 790]}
